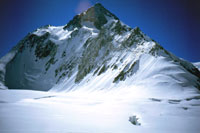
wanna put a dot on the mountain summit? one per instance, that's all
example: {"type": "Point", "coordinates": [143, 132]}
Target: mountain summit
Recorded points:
{"type": "Point", "coordinates": [97, 15]}
{"type": "Point", "coordinates": [94, 51]}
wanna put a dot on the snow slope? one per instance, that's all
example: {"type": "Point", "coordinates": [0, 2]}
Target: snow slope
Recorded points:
{"type": "Point", "coordinates": [94, 51]}
{"type": "Point", "coordinates": [98, 73]}
{"type": "Point", "coordinates": [3, 62]}
{"type": "Point", "coordinates": [197, 64]}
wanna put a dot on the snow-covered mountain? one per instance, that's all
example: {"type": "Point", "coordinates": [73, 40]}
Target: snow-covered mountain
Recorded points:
{"type": "Point", "coordinates": [102, 76]}
{"type": "Point", "coordinates": [94, 51]}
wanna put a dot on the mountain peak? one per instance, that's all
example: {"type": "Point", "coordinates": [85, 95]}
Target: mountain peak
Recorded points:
{"type": "Point", "coordinates": [95, 46]}
{"type": "Point", "coordinates": [98, 5]}
{"type": "Point", "coordinates": [96, 14]}
{"type": "Point", "coordinates": [98, 9]}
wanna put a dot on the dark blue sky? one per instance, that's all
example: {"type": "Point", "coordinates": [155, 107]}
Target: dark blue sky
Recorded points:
{"type": "Point", "coordinates": [175, 24]}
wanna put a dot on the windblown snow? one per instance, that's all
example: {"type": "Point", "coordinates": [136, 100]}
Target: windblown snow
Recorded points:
{"type": "Point", "coordinates": [96, 74]}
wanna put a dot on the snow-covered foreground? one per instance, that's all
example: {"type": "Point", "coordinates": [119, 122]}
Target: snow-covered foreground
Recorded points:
{"type": "Point", "coordinates": [25, 111]}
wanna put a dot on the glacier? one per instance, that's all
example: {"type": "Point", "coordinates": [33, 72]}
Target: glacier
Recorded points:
{"type": "Point", "coordinates": [92, 75]}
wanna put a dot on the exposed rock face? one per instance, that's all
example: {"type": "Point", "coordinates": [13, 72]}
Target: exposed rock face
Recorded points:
{"type": "Point", "coordinates": [94, 50]}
